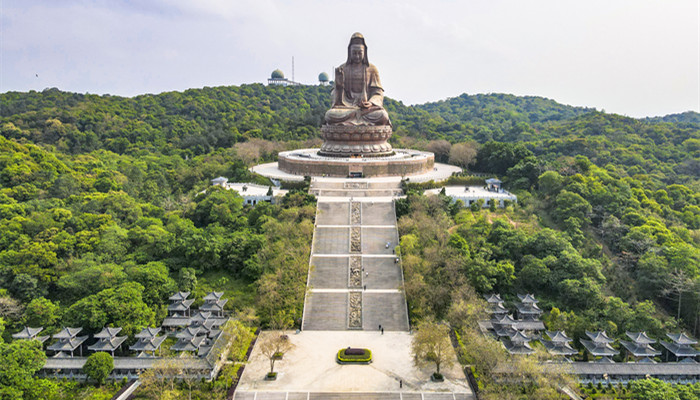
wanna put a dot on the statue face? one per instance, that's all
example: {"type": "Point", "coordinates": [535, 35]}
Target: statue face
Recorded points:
{"type": "Point", "coordinates": [357, 53]}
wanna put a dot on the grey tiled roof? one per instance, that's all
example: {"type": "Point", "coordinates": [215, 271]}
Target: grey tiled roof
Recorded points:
{"type": "Point", "coordinates": [517, 347]}
{"type": "Point", "coordinates": [27, 333]}
{"type": "Point", "coordinates": [680, 350]}
{"type": "Point", "coordinates": [681, 338]}
{"type": "Point", "coordinates": [519, 337]}
{"type": "Point", "coordinates": [182, 305]}
{"type": "Point", "coordinates": [528, 308]}
{"type": "Point", "coordinates": [599, 349]}
{"type": "Point", "coordinates": [640, 350]}
{"type": "Point", "coordinates": [106, 333]}
{"type": "Point", "coordinates": [190, 332]}
{"type": "Point", "coordinates": [640, 337]}
{"type": "Point", "coordinates": [558, 336]}
{"type": "Point", "coordinates": [67, 333]}
{"type": "Point", "coordinates": [122, 363]}
{"type": "Point", "coordinates": [191, 344]}
{"type": "Point", "coordinates": [213, 305]}
{"type": "Point", "coordinates": [108, 344]}
{"type": "Point", "coordinates": [493, 298]}
{"type": "Point", "coordinates": [147, 333]}
{"type": "Point", "coordinates": [179, 296]}
{"type": "Point", "coordinates": [148, 344]}
{"type": "Point", "coordinates": [635, 369]}
{"type": "Point", "coordinates": [559, 348]}
{"type": "Point", "coordinates": [599, 337]}
{"type": "Point", "coordinates": [519, 325]}
{"type": "Point", "coordinates": [527, 299]}
{"type": "Point", "coordinates": [67, 344]}
{"type": "Point", "coordinates": [496, 308]}
{"type": "Point", "coordinates": [213, 296]}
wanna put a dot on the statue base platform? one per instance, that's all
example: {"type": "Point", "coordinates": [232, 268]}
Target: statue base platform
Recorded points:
{"type": "Point", "coordinates": [355, 140]}
{"type": "Point", "coordinates": [310, 162]}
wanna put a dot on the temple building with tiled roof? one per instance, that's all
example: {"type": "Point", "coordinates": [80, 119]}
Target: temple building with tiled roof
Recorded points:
{"type": "Point", "coordinates": [681, 347]}
{"type": "Point", "coordinates": [640, 346]}
{"type": "Point", "coordinates": [527, 308]}
{"type": "Point", "coordinates": [518, 343]}
{"type": "Point", "coordinates": [68, 341]}
{"type": "Point", "coordinates": [599, 345]}
{"type": "Point", "coordinates": [108, 340]}
{"type": "Point", "coordinates": [214, 303]}
{"type": "Point", "coordinates": [30, 334]}
{"type": "Point", "coordinates": [148, 340]}
{"type": "Point", "coordinates": [558, 344]}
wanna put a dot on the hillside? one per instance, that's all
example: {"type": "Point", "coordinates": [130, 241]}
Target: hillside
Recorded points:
{"type": "Point", "coordinates": [100, 200]}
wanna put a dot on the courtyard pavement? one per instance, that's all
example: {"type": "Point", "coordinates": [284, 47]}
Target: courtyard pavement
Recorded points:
{"type": "Point", "coordinates": [311, 366]}
{"type": "Point", "coordinates": [439, 173]}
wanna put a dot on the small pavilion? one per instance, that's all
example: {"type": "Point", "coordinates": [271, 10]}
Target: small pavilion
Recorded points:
{"type": "Point", "coordinates": [190, 339]}
{"type": "Point", "coordinates": [681, 347]}
{"type": "Point", "coordinates": [214, 303]}
{"type": "Point", "coordinates": [527, 308]}
{"type": "Point", "coordinates": [518, 343]}
{"type": "Point", "coordinates": [180, 305]}
{"type": "Point", "coordinates": [30, 334]}
{"type": "Point", "coordinates": [108, 340]}
{"type": "Point", "coordinates": [68, 341]}
{"type": "Point", "coordinates": [599, 346]}
{"type": "Point", "coordinates": [504, 326]}
{"type": "Point", "coordinates": [148, 340]}
{"type": "Point", "coordinates": [640, 346]}
{"type": "Point", "coordinates": [558, 344]}
{"type": "Point", "coordinates": [495, 305]}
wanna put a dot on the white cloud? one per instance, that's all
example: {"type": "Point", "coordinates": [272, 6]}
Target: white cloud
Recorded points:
{"type": "Point", "coordinates": [631, 57]}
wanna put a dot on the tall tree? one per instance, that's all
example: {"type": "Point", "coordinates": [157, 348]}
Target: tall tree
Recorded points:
{"type": "Point", "coordinates": [431, 345]}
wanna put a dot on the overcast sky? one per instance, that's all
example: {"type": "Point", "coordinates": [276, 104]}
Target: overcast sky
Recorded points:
{"type": "Point", "coordinates": [632, 57]}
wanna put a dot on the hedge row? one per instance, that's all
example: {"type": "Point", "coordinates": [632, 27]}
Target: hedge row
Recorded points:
{"type": "Point", "coordinates": [365, 358]}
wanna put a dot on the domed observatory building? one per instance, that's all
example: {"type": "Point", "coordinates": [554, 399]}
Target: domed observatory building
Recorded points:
{"type": "Point", "coordinates": [323, 79]}
{"type": "Point", "coordinates": [277, 78]}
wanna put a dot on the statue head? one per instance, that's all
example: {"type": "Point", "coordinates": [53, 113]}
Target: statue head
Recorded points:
{"type": "Point", "coordinates": [357, 43]}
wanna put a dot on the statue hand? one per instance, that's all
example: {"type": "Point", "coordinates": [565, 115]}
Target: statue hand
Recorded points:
{"type": "Point", "coordinates": [339, 75]}
{"type": "Point", "coordinates": [367, 104]}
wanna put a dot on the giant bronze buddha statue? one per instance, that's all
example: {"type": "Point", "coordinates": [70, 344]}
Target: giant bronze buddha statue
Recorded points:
{"type": "Point", "coordinates": [357, 123]}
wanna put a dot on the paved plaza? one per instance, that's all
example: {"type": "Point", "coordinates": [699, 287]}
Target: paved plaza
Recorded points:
{"type": "Point", "coordinates": [439, 173]}
{"type": "Point", "coordinates": [310, 367]}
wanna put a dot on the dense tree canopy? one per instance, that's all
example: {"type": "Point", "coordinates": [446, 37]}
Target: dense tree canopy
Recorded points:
{"type": "Point", "coordinates": [106, 208]}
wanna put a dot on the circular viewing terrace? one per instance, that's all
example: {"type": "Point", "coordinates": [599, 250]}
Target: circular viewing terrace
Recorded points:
{"type": "Point", "coordinates": [308, 162]}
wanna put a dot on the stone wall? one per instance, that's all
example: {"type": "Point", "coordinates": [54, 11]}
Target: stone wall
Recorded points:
{"type": "Point", "coordinates": [371, 168]}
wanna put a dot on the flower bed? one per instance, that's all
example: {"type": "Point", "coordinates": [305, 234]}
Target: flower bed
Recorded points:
{"type": "Point", "coordinates": [354, 356]}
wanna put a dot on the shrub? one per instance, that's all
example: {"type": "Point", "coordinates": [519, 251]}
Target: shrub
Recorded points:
{"type": "Point", "coordinates": [98, 366]}
{"type": "Point", "coordinates": [354, 356]}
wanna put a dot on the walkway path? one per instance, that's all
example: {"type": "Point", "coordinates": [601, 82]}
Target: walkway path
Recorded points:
{"type": "Point", "coordinates": [355, 280]}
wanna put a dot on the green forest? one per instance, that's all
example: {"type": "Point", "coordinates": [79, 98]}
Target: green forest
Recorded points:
{"type": "Point", "coordinates": [106, 209]}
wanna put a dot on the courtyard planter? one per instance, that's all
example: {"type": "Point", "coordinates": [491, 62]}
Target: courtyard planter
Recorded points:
{"type": "Point", "coordinates": [354, 356]}
{"type": "Point", "coordinates": [271, 376]}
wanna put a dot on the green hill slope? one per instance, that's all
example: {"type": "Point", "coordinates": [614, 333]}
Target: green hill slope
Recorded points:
{"type": "Point", "coordinates": [620, 189]}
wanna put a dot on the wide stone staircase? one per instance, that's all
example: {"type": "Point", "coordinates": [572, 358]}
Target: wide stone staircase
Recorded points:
{"type": "Point", "coordinates": [356, 189]}
{"type": "Point", "coordinates": [355, 279]}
